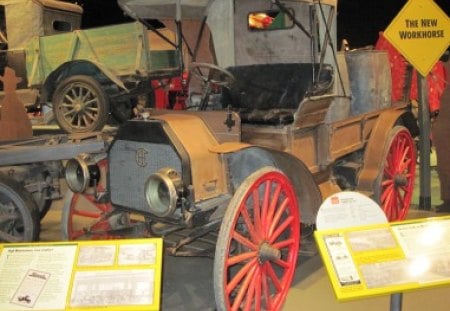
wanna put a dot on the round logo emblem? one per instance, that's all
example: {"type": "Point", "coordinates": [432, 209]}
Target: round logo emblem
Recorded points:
{"type": "Point", "coordinates": [141, 157]}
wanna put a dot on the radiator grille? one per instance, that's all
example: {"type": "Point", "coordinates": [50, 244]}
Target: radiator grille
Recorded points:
{"type": "Point", "coordinates": [131, 163]}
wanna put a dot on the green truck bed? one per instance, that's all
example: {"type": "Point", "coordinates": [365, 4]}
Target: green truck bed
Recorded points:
{"type": "Point", "coordinates": [118, 50]}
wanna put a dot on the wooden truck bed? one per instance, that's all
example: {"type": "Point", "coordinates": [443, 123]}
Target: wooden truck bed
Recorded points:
{"type": "Point", "coordinates": [120, 50]}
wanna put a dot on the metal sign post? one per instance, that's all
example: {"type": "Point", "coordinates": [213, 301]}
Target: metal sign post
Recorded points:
{"type": "Point", "coordinates": [424, 145]}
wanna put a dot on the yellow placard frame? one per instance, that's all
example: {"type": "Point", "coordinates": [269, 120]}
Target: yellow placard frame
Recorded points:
{"type": "Point", "coordinates": [381, 259]}
{"type": "Point", "coordinates": [134, 264]}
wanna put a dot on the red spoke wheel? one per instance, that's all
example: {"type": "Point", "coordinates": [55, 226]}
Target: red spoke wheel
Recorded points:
{"type": "Point", "coordinates": [395, 184]}
{"type": "Point", "coordinates": [258, 242]}
{"type": "Point", "coordinates": [83, 218]}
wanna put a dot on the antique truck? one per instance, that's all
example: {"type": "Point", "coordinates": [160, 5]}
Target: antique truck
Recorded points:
{"type": "Point", "coordinates": [82, 78]}
{"type": "Point", "coordinates": [281, 121]}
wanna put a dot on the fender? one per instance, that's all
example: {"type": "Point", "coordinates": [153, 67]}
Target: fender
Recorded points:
{"type": "Point", "coordinates": [78, 67]}
{"type": "Point", "coordinates": [373, 154]}
{"type": "Point", "coordinates": [248, 159]}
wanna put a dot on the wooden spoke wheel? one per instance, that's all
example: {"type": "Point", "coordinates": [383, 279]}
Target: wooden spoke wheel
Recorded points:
{"type": "Point", "coordinates": [258, 242]}
{"type": "Point", "coordinates": [84, 218]}
{"type": "Point", "coordinates": [19, 215]}
{"type": "Point", "coordinates": [80, 105]}
{"type": "Point", "coordinates": [395, 184]}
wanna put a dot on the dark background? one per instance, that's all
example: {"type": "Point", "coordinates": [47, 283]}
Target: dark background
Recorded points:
{"type": "Point", "coordinates": [359, 21]}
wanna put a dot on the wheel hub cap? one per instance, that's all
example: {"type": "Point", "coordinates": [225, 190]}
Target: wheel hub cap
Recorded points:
{"type": "Point", "coordinates": [267, 252]}
{"type": "Point", "coordinates": [78, 106]}
{"type": "Point", "coordinates": [400, 180]}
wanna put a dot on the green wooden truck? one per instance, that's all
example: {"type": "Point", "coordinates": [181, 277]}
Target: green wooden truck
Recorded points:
{"type": "Point", "coordinates": [85, 76]}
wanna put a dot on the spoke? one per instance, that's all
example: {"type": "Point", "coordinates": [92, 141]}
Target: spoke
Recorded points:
{"type": "Point", "coordinates": [85, 96]}
{"type": "Point", "coordinates": [69, 113]}
{"type": "Point", "coordinates": [278, 215]}
{"type": "Point", "coordinates": [240, 275]}
{"type": "Point", "coordinates": [387, 204]}
{"type": "Point", "coordinates": [258, 288]}
{"type": "Point", "coordinates": [388, 173]}
{"type": "Point", "coordinates": [400, 200]}
{"type": "Point", "coordinates": [289, 220]}
{"type": "Point", "coordinates": [394, 210]}
{"type": "Point", "coordinates": [78, 121]}
{"type": "Point", "coordinates": [251, 230]}
{"type": "Point", "coordinates": [77, 234]}
{"type": "Point", "coordinates": [283, 244]}
{"type": "Point", "coordinates": [243, 289]}
{"type": "Point", "coordinates": [83, 120]}
{"type": "Point", "coordinates": [273, 277]}
{"type": "Point", "coordinates": [387, 182]}
{"type": "Point", "coordinates": [399, 147]}
{"type": "Point", "coordinates": [67, 105]}
{"type": "Point", "coordinates": [69, 98]}
{"type": "Point", "coordinates": [80, 92]}
{"type": "Point", "coordinates": [389, 162]}
{"type": "Point", "coordinates": [90, 115]}
{"type": "Point", "coordinates": [257, 211]}
{"type": "Point", "coordinates": [244, 241]}
{"type": "Point", "coordinates": [86, 214]}
{"type": "Point", "coordinates": [265, 206]}
{"type": "Point", "coordinates": [104, 207]}
{"type": "Point", "coordinates": [91, 109]}
{"type": "Point", "coordinates": [250, 294]}
{"type": "Point", "coordinates": [265, 288]}
{"type": "Point", "coordinates": [282, 263]}
{"type": "Point", "coordinates": [404, 166]}
{"type": "Point", "coordinates": [273, 203]}
{"type": "Point", "coordinates": [387, 191]}
{"type": "Point", "coordinates": [406, 188]}
{"type": "Point", "coordinates": [241, 257]}
{"type": "Point", "coordinates": [73, 92]}
{"type": "Point", "coordinates": [91, 101]}
{"type": "Point", "coordinates": [71, 117]}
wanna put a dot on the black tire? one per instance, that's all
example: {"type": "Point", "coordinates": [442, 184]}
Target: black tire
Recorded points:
{"type": "Point", "coordinates": [80, 105]}
{"type": "Point", "coordinates": [19, 215]}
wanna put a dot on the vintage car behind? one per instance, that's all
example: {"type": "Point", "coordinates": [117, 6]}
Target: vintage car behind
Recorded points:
{"type": "Point", "coordinates": [282, 121]}
{"type": "Point", "coordinates": [84, 78]}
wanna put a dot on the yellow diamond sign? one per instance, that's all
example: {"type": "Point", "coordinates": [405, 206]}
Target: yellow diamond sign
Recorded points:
{"type": "Point", "coordinates": [421, 33]}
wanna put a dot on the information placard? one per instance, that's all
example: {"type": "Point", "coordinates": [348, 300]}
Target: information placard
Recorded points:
{"type": "Point", "coordinates": [112, 275]}
{"type": "Point", "coordinates": [386, 258]}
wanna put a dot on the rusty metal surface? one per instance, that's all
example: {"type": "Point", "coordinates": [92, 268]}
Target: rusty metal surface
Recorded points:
{"type": "Point", "coordinates": [14, 122]}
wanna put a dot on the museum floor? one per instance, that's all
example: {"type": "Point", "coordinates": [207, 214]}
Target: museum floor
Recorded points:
{"type": "Point", "coordinates": [187, 282]}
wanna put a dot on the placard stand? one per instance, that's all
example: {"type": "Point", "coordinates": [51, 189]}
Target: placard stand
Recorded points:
{"type": "Point", "coordinates": [366, 256]}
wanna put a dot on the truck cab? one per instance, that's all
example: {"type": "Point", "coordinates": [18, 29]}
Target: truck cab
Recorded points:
{"type": "Point", "coordinates": [20, 21]}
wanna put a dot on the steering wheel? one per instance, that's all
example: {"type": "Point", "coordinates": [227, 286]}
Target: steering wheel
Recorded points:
{"type": "Point", "coordinates": [213, 75]}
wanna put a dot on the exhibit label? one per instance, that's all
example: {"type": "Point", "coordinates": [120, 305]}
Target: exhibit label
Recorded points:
{"type": "Point", "coordinates": [386, 258]}
{"type": "Point", "coordinates": [119, 275]}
